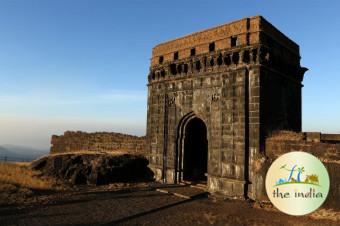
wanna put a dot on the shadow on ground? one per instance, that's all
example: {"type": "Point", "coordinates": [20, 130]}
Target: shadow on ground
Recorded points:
{"type": "Point", "coordinates": [142, 206]}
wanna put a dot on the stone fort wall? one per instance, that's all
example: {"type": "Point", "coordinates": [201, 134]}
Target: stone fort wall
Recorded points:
{"type": "Point", "coordinates": [97, 142]}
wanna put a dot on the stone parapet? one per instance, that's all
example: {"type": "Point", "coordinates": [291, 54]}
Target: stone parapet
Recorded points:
{"type": "Point", "coordinates": [97, 142]}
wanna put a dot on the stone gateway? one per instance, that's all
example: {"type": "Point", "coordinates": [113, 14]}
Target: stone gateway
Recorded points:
{"type": "Point", "coordinates": [213, 98]}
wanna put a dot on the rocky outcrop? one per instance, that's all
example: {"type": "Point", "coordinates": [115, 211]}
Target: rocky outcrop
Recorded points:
{"type": "Point", "coordinates": [94, 169]}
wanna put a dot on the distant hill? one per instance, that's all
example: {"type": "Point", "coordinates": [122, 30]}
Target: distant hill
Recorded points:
{"type": "Point", "coordinates": [16, 152]}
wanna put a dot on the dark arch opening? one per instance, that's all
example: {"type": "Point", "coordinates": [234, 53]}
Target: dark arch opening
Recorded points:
{"type": "Point", "coordinates": [179, 68]}
{"type": "Point", "coordinates": [246, 56]}
{"type": "Point", "coordinates": [236, 57]}
{"type": "Point", "coordinates": [219, 60]}
{"type": "Point", "coordinates": [195, 160]}
{"type": "Point", "coordinates": [163, 73]}
{"type": "Point", "coordinates": [227, 60]}
{"type": "Point", "coordinates": [198, 65]}
{"type": "Point", "coordinates": [185, 70]}
{"type": "Point", "coordinates": [212, 62]}
{"type": "Point", "coordinates": [173, 69]}
{"type": "Point", "coordinates": [254, 51]}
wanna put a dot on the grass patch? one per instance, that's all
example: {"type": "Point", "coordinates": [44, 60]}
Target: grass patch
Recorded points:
{"type": "Point", "coordinates": [19, 175]}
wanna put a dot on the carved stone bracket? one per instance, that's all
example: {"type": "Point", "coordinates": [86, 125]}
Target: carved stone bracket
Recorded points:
{"type": "Point", "coordinates": [215, 96]}
{"type": "Point", "coordinates": [171, 101]}
{"type": "Point", "coordinates": [204, 63]}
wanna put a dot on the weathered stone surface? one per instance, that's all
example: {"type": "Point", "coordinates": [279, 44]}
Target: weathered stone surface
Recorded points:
{"type": "Point", "coordinates": [243, 81]}
{"type": "Point", "coordinates": [97, 142]}
{"type": "Point", "coordinates": [94, 168]}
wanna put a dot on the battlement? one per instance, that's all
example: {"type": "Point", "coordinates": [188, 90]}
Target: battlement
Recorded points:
{"type": "Point", "coordinates": [79, 141]}
{"type": "Point", "coordinates": [241, 33]}
{"type": "Point", "coordinates": [246, 42]}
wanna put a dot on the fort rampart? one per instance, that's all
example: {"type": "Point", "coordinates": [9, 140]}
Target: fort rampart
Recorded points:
{"type": "Point", "coordinates": [96, 142]}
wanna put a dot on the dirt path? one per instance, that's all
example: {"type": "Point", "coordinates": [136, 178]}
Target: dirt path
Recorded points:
{"type": "Point", "coordinates": [143, 206]}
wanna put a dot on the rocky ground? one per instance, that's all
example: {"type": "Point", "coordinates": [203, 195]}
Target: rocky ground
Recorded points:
{"type": "Point", "coordinates": [68, 190]}
{"type": "Point", "coordinates": [142, 204]}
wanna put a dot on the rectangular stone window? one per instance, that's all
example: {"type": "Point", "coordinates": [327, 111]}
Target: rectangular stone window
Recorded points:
{"type": "Point", "coordinates": [160, 59]}
{"type": "Point", "coordinates": [176, 56]}
{"type": "Point", "coordinates": [233, 41]}
{"type": "Point", "coordinates": [212, 47]}
{"type": "Point", "coordinates": [193, 52]}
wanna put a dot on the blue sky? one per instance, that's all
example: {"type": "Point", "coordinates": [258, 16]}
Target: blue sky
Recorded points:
{"type": "Point", "coordinates": [83, 65]}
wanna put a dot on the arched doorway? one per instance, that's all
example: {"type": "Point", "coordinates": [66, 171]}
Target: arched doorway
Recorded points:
{"type": "Point", "coordinates": [195, 150]}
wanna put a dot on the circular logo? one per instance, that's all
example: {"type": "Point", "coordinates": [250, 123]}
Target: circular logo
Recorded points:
{"type": "Point", "coordinates": [297, 183]}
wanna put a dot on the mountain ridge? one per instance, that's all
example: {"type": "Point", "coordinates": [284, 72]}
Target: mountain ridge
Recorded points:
{"type": "Point", "coordinates": [11, 151]}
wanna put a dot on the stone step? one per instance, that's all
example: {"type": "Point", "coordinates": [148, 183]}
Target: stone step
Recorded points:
{"type": "Point", "coordinates": [185, 191]}
{"type": "Point", "coordinates": [199, 186]}
{"type": "Point", "coordinates": [195, 184]}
